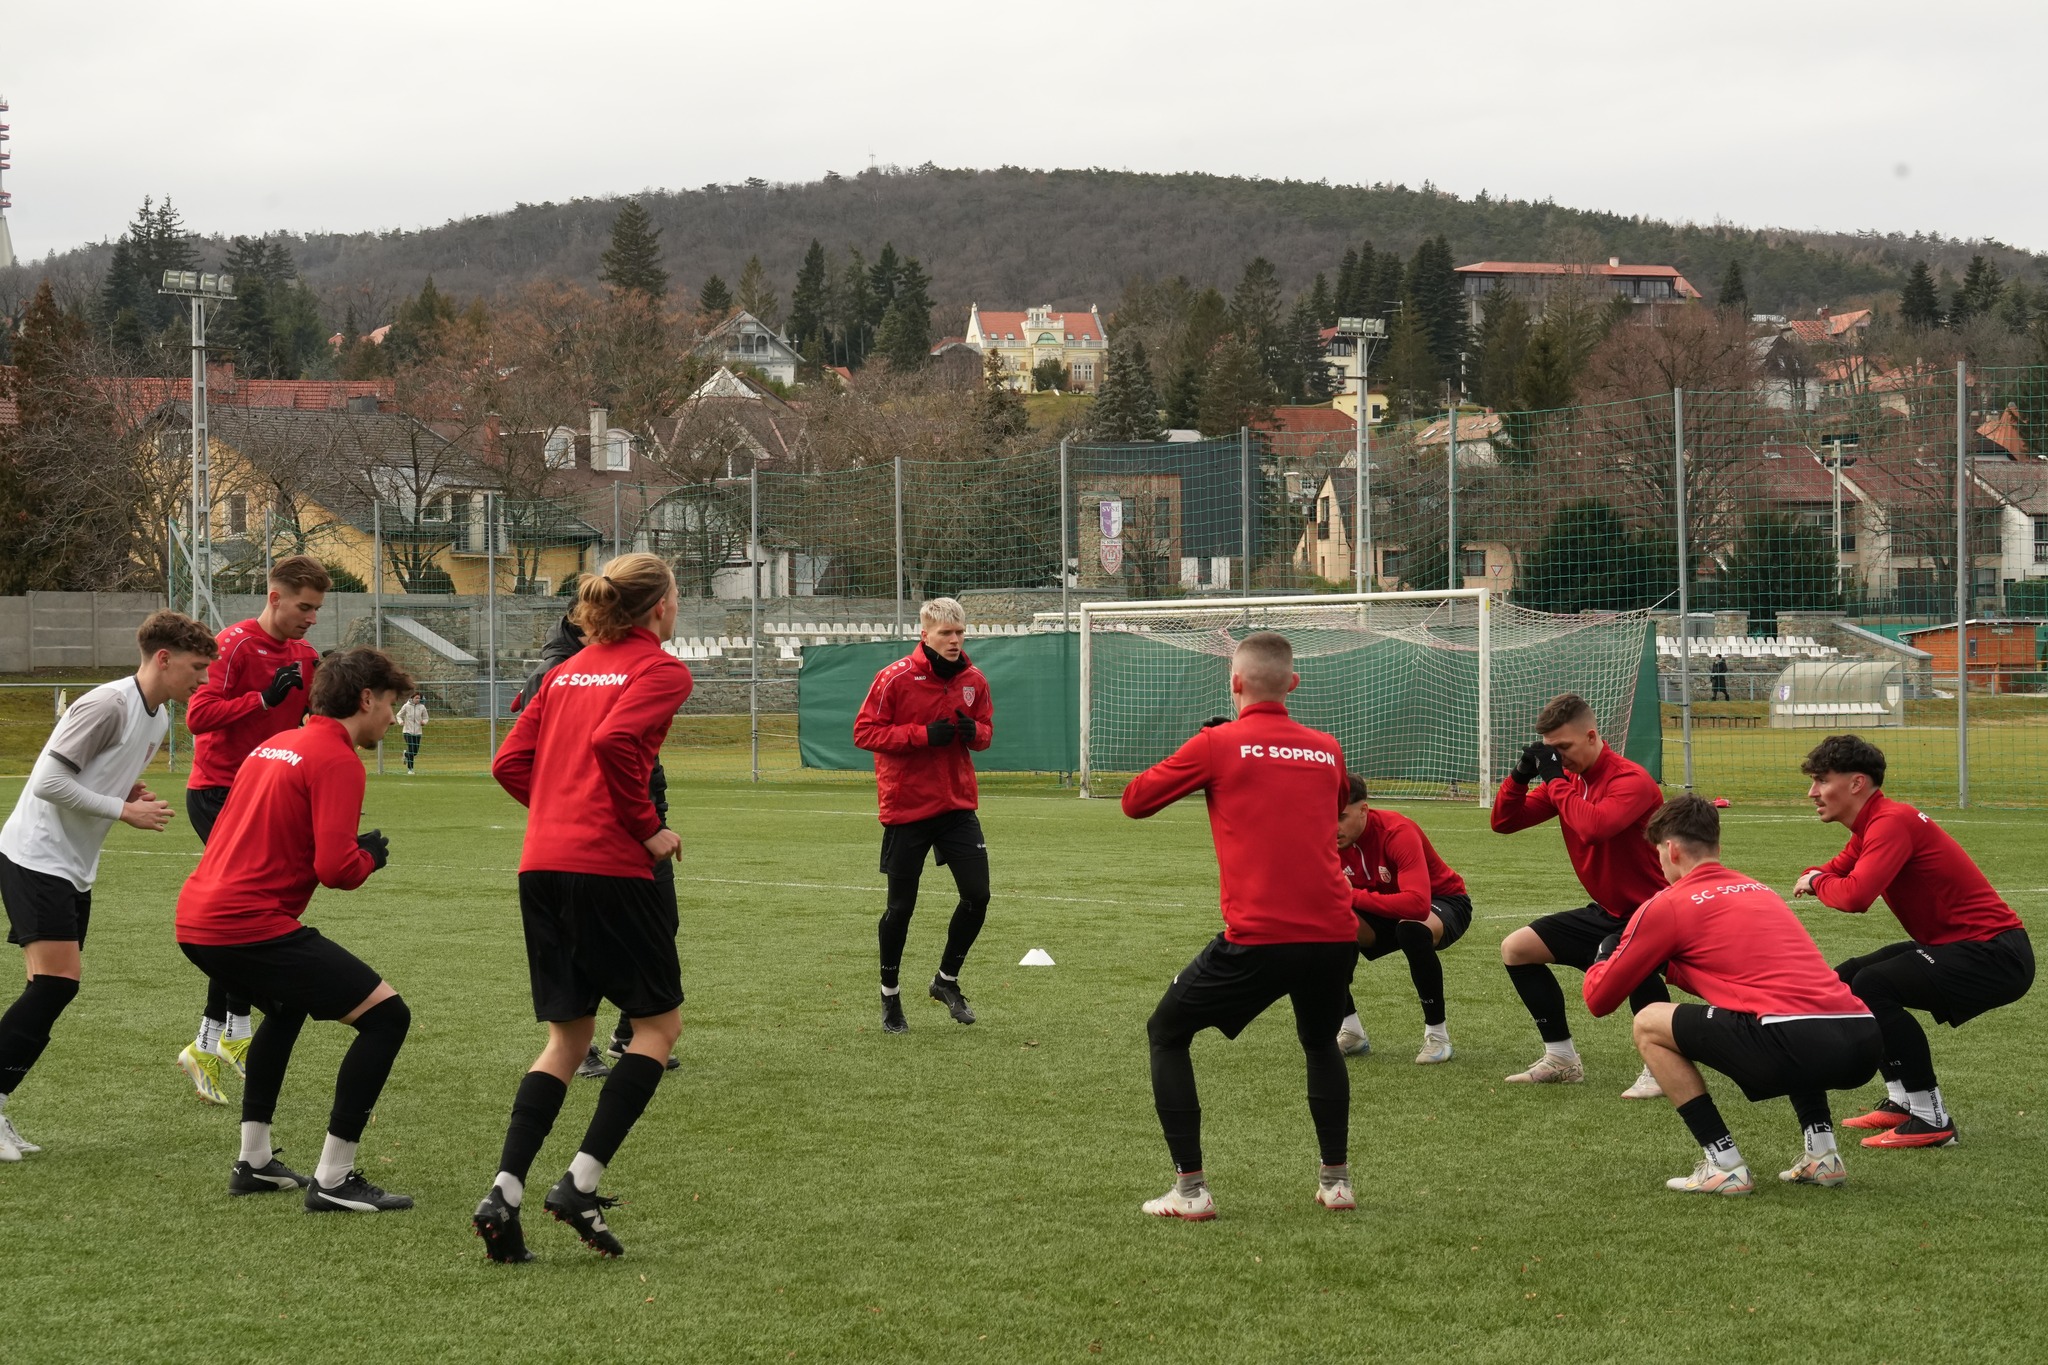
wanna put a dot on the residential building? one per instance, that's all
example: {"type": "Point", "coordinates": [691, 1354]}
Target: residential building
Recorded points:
{"type": "Point", "coordinates": [1024, 340]}
{"type": "Point", "coordinates": [1326, 548]}
{"type": "Point", "coordinates": [745, 340]}
{"type": "Point", "coordinates": [1342, 353]}
{"type": "Point", "coordinates": [1537, 281]}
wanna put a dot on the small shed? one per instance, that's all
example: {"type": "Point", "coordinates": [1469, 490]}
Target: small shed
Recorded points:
{"type": "Point", "coordinates": [1839, 694]}
{"type": "Point", "coordinates": [2004, 654]}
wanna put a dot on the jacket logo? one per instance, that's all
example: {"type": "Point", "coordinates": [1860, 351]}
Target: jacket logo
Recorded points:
{"type": "Point", "coordinates": [967, 694]}
{"type": "Point", "coordinates": [591, 680]}
{"type": "Point", "coordinates": [289, 757]}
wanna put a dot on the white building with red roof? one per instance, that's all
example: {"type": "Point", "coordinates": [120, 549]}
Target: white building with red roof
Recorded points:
{"type": "Point", "coordinates": [1536, 281]}
{"type": "Point", "coordinates": [1026, 339]}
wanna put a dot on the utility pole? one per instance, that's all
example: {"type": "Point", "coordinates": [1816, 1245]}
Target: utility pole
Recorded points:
{"type": "Point", "coordinates": [1363, 332]}
{"type": "Point", "coordinates": [200, 289]}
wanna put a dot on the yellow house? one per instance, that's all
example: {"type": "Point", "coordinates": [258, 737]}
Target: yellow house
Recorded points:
{"type": "Point", "coordinates": [339, 485]}
{"type": "Point", "coordinates": [1024, 340]}
{"type": "Point", "coordinates": [1325, 548]}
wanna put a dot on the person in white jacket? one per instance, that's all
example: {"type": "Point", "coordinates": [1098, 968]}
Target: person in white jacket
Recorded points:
{"type": "Point", "coordinates": [412, 723]}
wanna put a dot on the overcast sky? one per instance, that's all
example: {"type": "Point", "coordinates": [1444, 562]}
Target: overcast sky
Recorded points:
{"type": "Point", "coordinates": [376, 114]}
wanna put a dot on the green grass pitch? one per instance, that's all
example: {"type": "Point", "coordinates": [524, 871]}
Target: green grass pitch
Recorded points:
{"type": "Point", "coordinates": [809, 1189]}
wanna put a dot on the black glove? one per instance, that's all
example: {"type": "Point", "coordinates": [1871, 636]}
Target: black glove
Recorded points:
{"type": "Point", "coordinates": [1607, 947]}
{"type": "Point", "coordinates": [1215, 721]}
{"type": "Point", "coordinates": [1550, 766]}
{"type": "Point", "coordinates": [282, 682]}
{"type": "Point", "coordinates": [940, 733]}
{"type": "Point", "coordinates": [1531, 760]}
{"type": "Point", "coordinates": [967, 726]}
{"type": "Point", "coordinates": [376, 845]}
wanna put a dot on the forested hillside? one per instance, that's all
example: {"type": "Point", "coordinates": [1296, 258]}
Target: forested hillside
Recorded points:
{"type": "Point", "coordinates": [1011, 236]}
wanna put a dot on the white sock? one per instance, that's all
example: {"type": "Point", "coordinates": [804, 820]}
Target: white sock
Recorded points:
{"type": "Point", "coordinates": [1724, 1154]}
{"type": "Point", "coordinates": [1926, 1106]}
{"type": "Point", "coordinates": [238, 1027]}
{"type": "Point", "coordinates": [256, 1144]}
{"type": "Point", "coordinates": [892, 990]}
{"type": "Point", "coordinates": [209, 1036]}
{"type": "Point", "coordinates": [1895, 1091]}
{"type": "Point", "coordinates": [585, 1170]}
{"type": "Point", "coordinates": [1355, 1024]}
{"type": "Point", "coordinates": [953, 979]}
{"type": "Point", "coordinates": [1437, 1033]}
{"type": "Point", "coordinates": [1563, 1050]}
{"type": "Point", "coordinates": [1820, 1141]}
{"type": "Point", "coordinates": [511, 1187]}
{"type": "Point", "coordinates": [337, 1159]}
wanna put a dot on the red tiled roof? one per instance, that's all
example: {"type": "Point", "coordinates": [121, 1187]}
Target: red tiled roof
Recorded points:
{"type": "Point", "coordinates": [943, 342]}
{"type": "Point", "coordinates": [225, 388]}
{"type": "Point", "coordinates": [1012, 324]}
{"type": "Point", "coordinates": [1646, 272]}
{"type": "Point", "coordinates": [2004, 431]}
{"type": "Point", "coordinates": [1830, 326]}
{"type": "Point", "coordinates": [1305, 420]}
{"type": "Point", "coordinates": [10, 413]}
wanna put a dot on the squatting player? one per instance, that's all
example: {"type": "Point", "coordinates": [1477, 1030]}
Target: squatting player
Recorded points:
{"type": "Point", "coordinates": [292, 828]}
{"type": "Point", "coordinates": [597, 927]}
{"type": "Point", "coordinates": [87, 777]}
{"type": "Point", "coordinates": [924, 718]}
{"type": "Point", "coordinates": [1405, 897]}
{"type": "Point", "coordinates": [1777, 1021]}
{"type": "Point", "coordinates": [1602, 802]}
{"type": "Point", "coordinates": [258, 689]}
{"type": "Point", "coordinates": [1966, 951]}
{"type": "Point", "coordinates": [1273, 789]}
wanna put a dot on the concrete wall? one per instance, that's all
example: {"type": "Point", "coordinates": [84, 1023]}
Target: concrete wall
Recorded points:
{"type": "Point", "coordinates": [72, 629]}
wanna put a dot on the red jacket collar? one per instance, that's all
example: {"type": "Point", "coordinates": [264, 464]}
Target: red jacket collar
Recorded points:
{"type": "Point", "coordinates": [916, 659]}
{"type": "Point", "coordinates": [1869, 811]}
{"type": "Point", "coordinates": [1262, 708]}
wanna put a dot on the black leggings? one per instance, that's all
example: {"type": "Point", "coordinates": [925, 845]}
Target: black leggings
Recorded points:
{"type": "Point", "coordinates": [969, 867]}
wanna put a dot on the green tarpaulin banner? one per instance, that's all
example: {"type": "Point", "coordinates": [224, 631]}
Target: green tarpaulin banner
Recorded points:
{"type": "Point", "coordinates": [1033, 680]}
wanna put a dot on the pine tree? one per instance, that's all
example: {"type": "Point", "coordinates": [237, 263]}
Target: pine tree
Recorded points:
{"type": "Point", "coordinates": [2017, 309]}
{"type": "Point", "coordinates": [756, 296]}
{"type": "Point", "coordinates": [1733, 295]}
{"type": "Point", "coordinates": [1982, 290]}
{"type": "Point", "coordinates": [1001, 412]}
{"type": "Point", "coordinates": [882, 283]}
{"type": "Point", "coordinates": [807, 305]}
{"type": "Point", "coordinates": [905, 339]}
{"type": "Point", "coordinates": [1184, 398]}
{"type": "Point", "coordinates": [1309, 377]}
{"type": "Point", "coordinates": [632, 263]}
{"type": "Point", "coordinates": [419, 326]}
{"type": "Point", "coordinates": [852, 303]}
{"type": "Point", "coordinates": [1411, 368]}
{"type": "Point", "coordinates": [714, 300]}
{"type": "Point", "coordinates": [1383, 297]}
{"type": "Point", "coordinates": [1234, 390]}
{"type": "Point", "coordinates": [1126, 407]}
{"type": "Point", "coordinates": [1257, 322]}
{"type": "Point", "coordinates": [1436, 295]}
{"type": "Point", "coordinates": [1498, 350]}
{"type": "Point", "coordinates": [1548, 371]}
{"type": "Point", "coordinates": [1919, 305]}
{"type": "Point", "coordinates": [1343, 298]}
{"type": "Point", "coordinates": [1322, 304]}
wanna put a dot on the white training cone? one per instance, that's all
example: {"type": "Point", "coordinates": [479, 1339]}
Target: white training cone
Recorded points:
{"type": "Point", "coordinates": [1037, 957]}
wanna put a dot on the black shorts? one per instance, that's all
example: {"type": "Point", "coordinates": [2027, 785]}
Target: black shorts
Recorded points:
{"type": "Point", "coordinates": [1230, 984]}
{"type": "Point", "coordinates": [1954, 982]}
{"type": "Point", "coordinates": [1796, 1056]}
{"type": "Point", "coordinates": [203, 806]}
{"type": "Point", "coordinates": [591, 938]}
{"type": "Point", "coordinates": [41, 905]}
{"type": "Point", "coordinates": [1454, 911]}
{"type": "Point", "coordinates": [302, 972]}
{"type": "Point", "coordinates": [956, 835]}
{"type": "Point", "coordinates": [1573, 936]}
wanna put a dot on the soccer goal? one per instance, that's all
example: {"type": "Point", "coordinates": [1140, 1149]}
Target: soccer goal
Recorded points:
{"type": "Point", "coordinates": [1430, 693]}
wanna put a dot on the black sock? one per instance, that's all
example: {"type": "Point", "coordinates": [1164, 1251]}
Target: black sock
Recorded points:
{"type": "Point", "coordinates": [1704, 1119]}
{"type": "Point", "coordinates": [620, 1104]}
{"type": "Point", "coordinates": [25, 1028]}
{"type": "Point", "coordinates": [968, 918]}
{"type": "Point", "coordinates": [270, 1052]}
{"type": "Point", "coordinates": [894, 927]}
{"type": "Point", "coordinates": [1811, 1109]}
{"type": "Point", "coordinates": [1544, 997]}
{"type": "Point", "coordinates": [622, 1032]}
{"type": "Point", "coordinates": [380, 1032]}
{"type": "Point", "coordinates": [216, 1001]}
{"type": "Point", "coordinates": [1425, 968]}
{"type": "Point", "coordinates": [533, 1117]}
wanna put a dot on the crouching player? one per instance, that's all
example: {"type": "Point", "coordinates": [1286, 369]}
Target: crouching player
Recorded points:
{"type": "Point", "coordinates": [290, 828]}
{"type": "Point", "coordinates": [1777, 1021]}
{"type": "Point", "coordinates": [1274, 788]}
{"type": "Point", "coordinates": [1406, 897]}
{"type": "Point", "coordinates": [1965, 953]}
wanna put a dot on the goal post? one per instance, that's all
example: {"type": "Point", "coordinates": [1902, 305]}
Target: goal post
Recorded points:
{"type": "Point", "coordinates": [1424, 690]}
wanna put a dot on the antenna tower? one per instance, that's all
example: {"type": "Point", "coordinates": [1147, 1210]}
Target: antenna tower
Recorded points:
{"type": "Point", "coordinates": [6, 200]}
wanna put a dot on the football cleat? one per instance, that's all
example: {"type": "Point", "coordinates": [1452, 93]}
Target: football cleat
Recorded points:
{"type": "Point", "coordinates": [235, 1052]}
{"type": "Point", "coordinates": [592, 1067]}
{"type": "Point", "coordinates": [1550, 1070]}
{"type": "Point", "coordinates": [585, 1213]}
{"type": "Point", "coordinates": [1352, 1043]}
{"type": "Point", "coordinates": [11, 1137]}
{"type": "Point", "coordinates": [892, 1014]}
{"type": "Point", "coordinates": [1708, 1178]}
{"type": "Point", "coordinates": [1825, 1170]}
{"type": "Point", "coordinates": [203, 1068]}
{"type": "Point", "coordinates": [355, 1194]}
{"type": "Point", "coordinates": [268, 1178]}
{"type": "Point", "coordinates": [1645, 1088]}
{"type": "Point", "coordinates": [497, 1222]}
{"type": "Point", "coordinates": [1335, 1195]}
{"type": "Point", "coordinates": [1916, 1133]}
{"type": "Point", "coordinates": [1434, 1050]}
{"type": "Point", "coordinates": [8, 1151]}
{"type": "Point", "coordinates": [1888, 1114]}
{"type": "Point", "coordinates": [947, 993]}
{"type": "Point", "coordinates": [1195, 1208]}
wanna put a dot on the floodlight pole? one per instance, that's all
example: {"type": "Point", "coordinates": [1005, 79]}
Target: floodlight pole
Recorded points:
{"type": "Point", "coordinates": [1362, 331]}
{"type": "Point", "coordinates": [198, 288]}
{"type": "Point", "coordinates": [1452, 578]}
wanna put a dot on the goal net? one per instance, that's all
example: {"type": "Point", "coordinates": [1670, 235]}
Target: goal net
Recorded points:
{"type": "Point", "coordinates": [1429, 693]}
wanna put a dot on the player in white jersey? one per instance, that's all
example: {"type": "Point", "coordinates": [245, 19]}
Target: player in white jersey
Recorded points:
{"type": "Point", "coordinates": [87, 777]}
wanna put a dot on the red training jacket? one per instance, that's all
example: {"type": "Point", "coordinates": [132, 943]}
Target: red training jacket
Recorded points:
{"type": "Point", "coordinates": [1603, 812]}
{"type": "Point", "coordinates": [1896, 852]}
{"type": "Point", "coordinates": [1393, 869]}
{"type": "Point", "coordinates": [1274, 788]}
{"type": "Point", "coordinates": [291, 827]}
{"type": "Point", "coordinates": [580, 753]}
{"type": "Point", "coordinates": [227, 717]}
{"type": "Point", "coordinates": [1729, 940]}
{"type": "Point", "coordinates": [912, 782]}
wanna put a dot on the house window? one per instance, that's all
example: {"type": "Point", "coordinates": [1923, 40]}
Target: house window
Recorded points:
{"type": "Point", "coordinates": [1848, 542]}
{"type": "Point", "coordinates": [1084, 372]}
{"type": "Point", "coordinates": [1162, 518]}
{"type": "Point", "coordinates": [1390, 563]}
{"type": "Point", "coordinates": [560, 450]}
{"type": "Point", "coordinates": [1472, 563]}
{"type": "Point", "coordinates": [2041, 540]}
{"type": "Point", "coordinates": [618, 452]}
{"type": "Point", "coordinates": [437, 508]}
{"type": "Point", "coordinates": [235, 510]}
